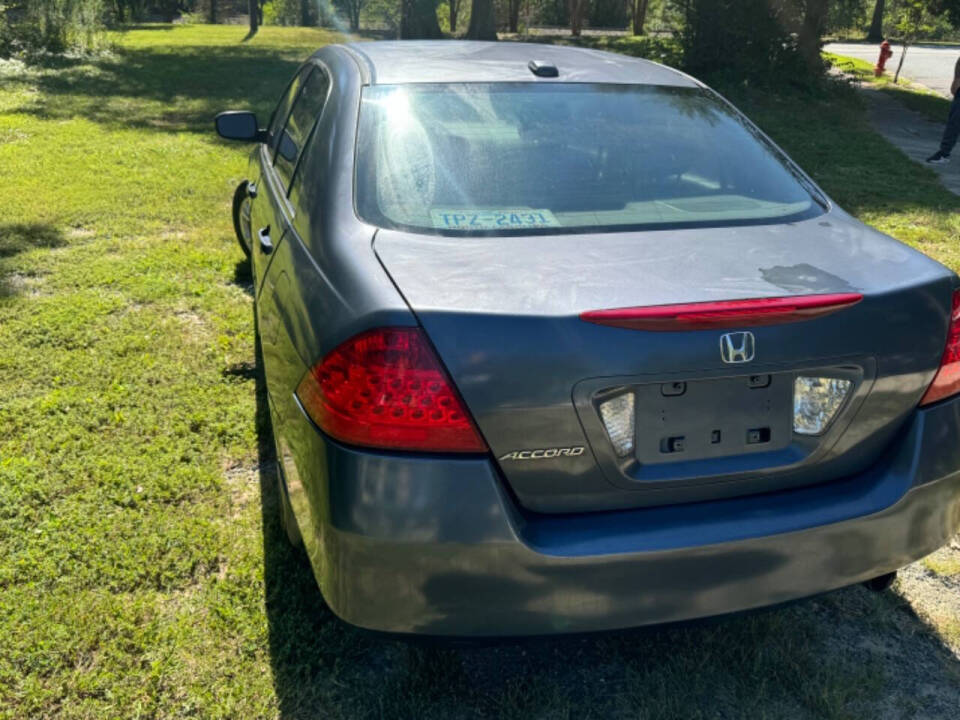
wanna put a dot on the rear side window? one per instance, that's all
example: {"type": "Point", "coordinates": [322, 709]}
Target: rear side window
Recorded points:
{"type": "Point", "coordinates": [302, 118]}
{"type": "Point", "coordinates": [282, 110]}
{"type": "Point", "coordinates": [516, 158]}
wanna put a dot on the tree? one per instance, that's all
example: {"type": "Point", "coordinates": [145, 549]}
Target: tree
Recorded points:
{"type": "Point", "coordinates": [608, 13]}
{"type": "Point", "coordinates": [483, 21]}
{"type": "Point", "coordinates": [454, 11]}
{"type": "Point", "coordinates": [952, 10]}
{"type": "Point", "coordinates": [765, 41]}
{"type": "Point", "coordinates": [352, 9]}
{"type": "Point", "coordinates": [844, 15]}
{"type": "Point", "coordinates": [876, 25]}
{"type": "Point", "coordinates": [513, 15]}
{"type": "Point", "coordinates": [639, 15]}
{"type": "Point", "coordinates": [576, 10]}
{"type": "Point", "coordinates": [914, 19]}
{"type": "Point", "coordinates": [306, 13]}
{"type": "Point", "coordinates": [418, 20]}
{"type": "Point", "coordinates": [811, 30]}
{"type": "Point", "coordinates": [254, 17]}
{"type": "Point", "coordinates": [213, 11]}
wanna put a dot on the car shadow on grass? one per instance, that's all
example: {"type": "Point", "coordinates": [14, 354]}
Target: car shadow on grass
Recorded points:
{"type": "Point", "coordinates": [16, 238]}
{"type": "Point", "coordinates": [243, 276]}
{"type": "Point", "coordinates": [851, 653]}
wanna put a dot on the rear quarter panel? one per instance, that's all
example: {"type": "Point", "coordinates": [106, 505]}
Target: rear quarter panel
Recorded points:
{"type": "Point", "coordinates": [323, 285]}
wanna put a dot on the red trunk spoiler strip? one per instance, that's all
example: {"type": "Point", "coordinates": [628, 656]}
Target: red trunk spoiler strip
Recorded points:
{"type": "Point", "coordinates": [723, 313]}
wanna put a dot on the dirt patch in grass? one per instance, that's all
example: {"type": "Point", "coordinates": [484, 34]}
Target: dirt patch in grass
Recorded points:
{"type": "Point", "coordinates": [22, 283]}
{"type": "Point", "coordinates": [243, 484]}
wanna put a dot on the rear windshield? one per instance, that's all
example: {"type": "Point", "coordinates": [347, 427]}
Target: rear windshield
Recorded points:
{"type": "Point", "coordinates": [510, 158]}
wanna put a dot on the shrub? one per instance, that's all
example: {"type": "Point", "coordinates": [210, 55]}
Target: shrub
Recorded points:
{"type": "Point", "coordinates": [385, 14]}
{"type": "Point", "coordinates": [51, 26]}
{"type": "Point", "coordinates": [757, 41]}
{"type": "Point", "coordinates": [289, 12]}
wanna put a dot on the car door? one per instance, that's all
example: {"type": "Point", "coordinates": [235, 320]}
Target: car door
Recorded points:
{"type": "Point", "coordinates": [287, 256]}
{"type": "Point", "coordinates": [268, 194]}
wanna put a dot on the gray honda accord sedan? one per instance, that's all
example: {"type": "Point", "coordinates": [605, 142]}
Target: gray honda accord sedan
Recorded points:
{"type": "Point", "coordinates": [556, 340]}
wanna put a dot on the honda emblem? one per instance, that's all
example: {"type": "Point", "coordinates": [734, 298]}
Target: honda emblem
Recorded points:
{"type": "Point", "coordinates": [737, 347]}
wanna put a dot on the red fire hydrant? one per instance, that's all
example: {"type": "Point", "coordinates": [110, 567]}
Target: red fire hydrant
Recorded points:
{"type": "Point", "coordinates": [885, 54]}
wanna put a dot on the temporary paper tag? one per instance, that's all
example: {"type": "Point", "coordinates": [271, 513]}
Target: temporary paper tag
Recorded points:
{"type": "Point", "coordinates": [508, 219]}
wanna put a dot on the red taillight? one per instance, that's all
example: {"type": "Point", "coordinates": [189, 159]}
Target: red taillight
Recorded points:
{"type": "Point", "coordinates": [723, 313]}
{"type": "Point", "coordinates": [947, 380]}
{"type": "Point", "coordinates": [385, 388]}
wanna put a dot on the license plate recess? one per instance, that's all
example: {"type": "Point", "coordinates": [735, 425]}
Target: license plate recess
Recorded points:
{"type": "Point", "coordinates": [680, 421]}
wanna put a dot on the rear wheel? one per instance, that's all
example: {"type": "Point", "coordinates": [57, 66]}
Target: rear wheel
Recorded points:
{"type": "Point", "coordinates": [241, 217]}
{"type": "Point", "coordinates": [879, 584]}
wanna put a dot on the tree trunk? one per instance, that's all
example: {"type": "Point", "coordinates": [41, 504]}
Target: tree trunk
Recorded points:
{"type": "Point", "coordinates": [418, 20]}
{"type": "Point", "coordinates": [576, 16]}
{"type": "Point", "coordinates": [305, 13]}
{"type": "Point", "coordinates": [355, 16]}
{"type": "Point", "coordinates": [120, 14]}
{"type": "Point", "coordinates": [514, 15]}
{"type": "Point", "coordinates": [254, 17]}
{"type": "Point", "coordinates": [903, 56]}
{"type": "Point", "coordinates": [454, 7]}
{"type": "Point", "coordinates": [213, 11]}
{"type": "Point", "coordinates": [639, 15]}
{"type": "Point", "coordinates": [483, 23]}
{"type": "Point", "coordinates": [814, 24]}
{"type": "Point", "coordinates": [876, 26]}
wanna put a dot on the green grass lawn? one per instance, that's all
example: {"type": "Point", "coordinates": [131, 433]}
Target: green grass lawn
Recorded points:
{"type": "Point", "coordinates": [143, 573]}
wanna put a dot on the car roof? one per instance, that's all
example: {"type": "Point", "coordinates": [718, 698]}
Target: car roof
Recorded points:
{"type": "Point", "coordinates": [444, 61]}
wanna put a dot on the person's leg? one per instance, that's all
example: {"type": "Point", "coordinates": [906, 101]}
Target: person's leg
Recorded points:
{"type": "Point", "coordinates": [952, 131]}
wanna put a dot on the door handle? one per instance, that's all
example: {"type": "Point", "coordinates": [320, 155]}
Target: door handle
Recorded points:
{"type": "Point", "coordinates": [266, 244]}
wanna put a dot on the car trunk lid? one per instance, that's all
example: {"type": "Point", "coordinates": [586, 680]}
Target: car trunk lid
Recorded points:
{"type": "Point", "coordinates": [504, 314]}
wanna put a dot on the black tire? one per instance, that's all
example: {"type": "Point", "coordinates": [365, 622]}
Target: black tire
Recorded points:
{"type": "Point", "coordinates": [879, 584]}
{"type": "Point", "coordinates": [239, 198]}
{"type": "Point", "coordinates": [287, 520]}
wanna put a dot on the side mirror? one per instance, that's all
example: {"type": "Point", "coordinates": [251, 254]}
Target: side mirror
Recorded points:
{"type": "Point", "coordinates": [238, 125]}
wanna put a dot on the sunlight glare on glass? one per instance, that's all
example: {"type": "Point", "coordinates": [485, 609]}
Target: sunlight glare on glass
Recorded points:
{"type": "Point", "coordinates": [396, 108]}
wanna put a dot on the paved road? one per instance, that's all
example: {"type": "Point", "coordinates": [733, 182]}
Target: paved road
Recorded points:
{"type": "Point", "coordinates": [930, 65]}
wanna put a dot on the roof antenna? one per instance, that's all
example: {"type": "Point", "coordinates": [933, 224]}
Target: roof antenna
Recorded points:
{"type": "Point", "coordinates": [543, 69]}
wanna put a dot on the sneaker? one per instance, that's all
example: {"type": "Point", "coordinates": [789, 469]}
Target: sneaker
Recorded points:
{"type": "Point", "coordinates": [938, 158]}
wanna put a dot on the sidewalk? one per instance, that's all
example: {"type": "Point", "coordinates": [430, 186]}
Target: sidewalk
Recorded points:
{"type": "Point", "coordinates": [914, 134]}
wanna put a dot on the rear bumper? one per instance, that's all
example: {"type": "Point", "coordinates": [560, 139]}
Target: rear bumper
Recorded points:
{"type": "Point", "coordinates": [436, 546]}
